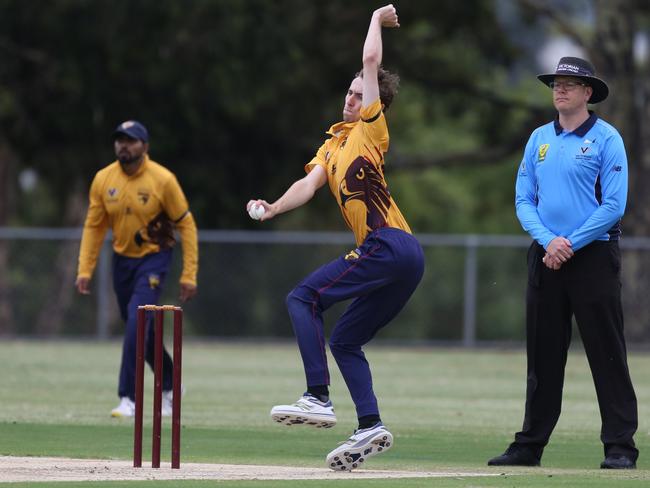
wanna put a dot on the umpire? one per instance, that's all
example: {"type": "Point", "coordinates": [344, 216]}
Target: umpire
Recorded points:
{"type": "Point", "coordinates": [571, 192]}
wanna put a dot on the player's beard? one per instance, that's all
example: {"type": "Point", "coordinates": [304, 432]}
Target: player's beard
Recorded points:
{"type": "Point", "coordinates": [125, 158]}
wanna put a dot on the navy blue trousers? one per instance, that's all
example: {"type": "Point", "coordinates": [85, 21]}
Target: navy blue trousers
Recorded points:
{"type": "Point", "coordinates": [380, 277]}
{"type": "Point", "coordinates": [138, 281]}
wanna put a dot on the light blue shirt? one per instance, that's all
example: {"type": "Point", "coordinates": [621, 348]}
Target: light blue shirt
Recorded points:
{"type": "Point", "coordinates": [573, 184]}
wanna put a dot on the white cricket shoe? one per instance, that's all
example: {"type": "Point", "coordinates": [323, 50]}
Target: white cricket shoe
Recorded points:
{"type": "Point", "coordinates": [126, 408]}
{"type": "Point", "coordinates": [307, 410]}
{"type": "Point", "coordinates": [363, 444]}
{"type": "Point", "coordinates": [166, 406]}
{"type": "Point", "coordinates": [167, 401]}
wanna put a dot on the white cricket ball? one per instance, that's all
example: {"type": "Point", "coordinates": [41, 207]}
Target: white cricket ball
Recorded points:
{"type": "Point", "coordinates": [256, 211]}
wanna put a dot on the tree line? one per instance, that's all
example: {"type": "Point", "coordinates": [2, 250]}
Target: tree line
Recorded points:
{"type": "Point", "coordinates": [237, 95]}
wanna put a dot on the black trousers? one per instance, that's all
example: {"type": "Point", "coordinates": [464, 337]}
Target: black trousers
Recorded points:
{"type": "Point", "coordinates": [588, 287]}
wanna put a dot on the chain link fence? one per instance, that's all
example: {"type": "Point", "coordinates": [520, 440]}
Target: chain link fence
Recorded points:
{"type": "Point", "coordinates": [472, 291]}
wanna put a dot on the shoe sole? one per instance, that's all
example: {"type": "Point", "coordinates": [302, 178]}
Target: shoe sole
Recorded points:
{"type": "Point", "coordinates": [608, 466]}
{"type": "Point", "coordinates": [118, 415]}
{"type": "Point", "coordinates": [352, 458]}
{"type": "Point", "coordinates": [530, 465]}
{"type": "Point", "coordinates": [293, 418]}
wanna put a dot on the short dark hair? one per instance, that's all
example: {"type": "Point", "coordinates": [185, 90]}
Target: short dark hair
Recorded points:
{"type": "Point", "coordinates": [388, 85]}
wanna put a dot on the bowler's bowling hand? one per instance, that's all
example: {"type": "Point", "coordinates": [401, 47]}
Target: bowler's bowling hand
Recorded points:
{"type": "Point", "coordinates": [187, 291]}
{"type": "Point", "coordinates": [270, 211]}
{"type": "Point", "coordinates": [387, 16]}
{"type": "Point", "coordinates": [83, 285]}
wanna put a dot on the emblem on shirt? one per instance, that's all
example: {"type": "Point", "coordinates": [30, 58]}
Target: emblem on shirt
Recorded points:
{"type": "Point", "coordinates": [364, 183]}
{"type": "Point", "coordinates": [588, 151]}
{"type": "Point", "coordinates": [143, 196]}
{"type": "Point", "coordinates": [154, 281]}
{"type": "Point", "coordinates": [112, 195]}
{"type": "Point", "coordinates": [541, 153]}
{"type": "Point", "coordinates": [586, 147]}
{"type": "Point", "coordinates": [353, 255]}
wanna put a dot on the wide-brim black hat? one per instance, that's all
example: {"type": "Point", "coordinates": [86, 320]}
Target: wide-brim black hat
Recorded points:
{"type": "Point", "coordinates": [579, 68]}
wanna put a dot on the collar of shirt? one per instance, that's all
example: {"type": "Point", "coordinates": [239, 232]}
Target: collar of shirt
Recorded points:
{"type": "Point", "coordinates": [341, 128]}
{"type": "Point", "coordinates": [580, 131]}
{"type": "Point", "coordinates": [373, 111]}
{"type": "Point", "coordinates": [143, 166]}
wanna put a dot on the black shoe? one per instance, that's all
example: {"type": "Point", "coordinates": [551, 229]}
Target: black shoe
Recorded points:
{"type": "Point", "coordinates": [516, 455]}
{"type": "Point", "coordinates": [617, 461]}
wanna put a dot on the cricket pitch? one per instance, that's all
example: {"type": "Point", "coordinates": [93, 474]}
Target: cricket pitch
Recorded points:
{"type": "Point", "coordinates": [25, 469]}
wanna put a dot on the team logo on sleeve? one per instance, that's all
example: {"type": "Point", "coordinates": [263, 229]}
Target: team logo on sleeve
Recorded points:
{"type": "Point", "coordinates": [541, 152]}
{"type": "Point", "coordinates": [522, 168]}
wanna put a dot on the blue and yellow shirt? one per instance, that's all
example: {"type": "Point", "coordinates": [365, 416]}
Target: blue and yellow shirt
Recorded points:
{"type": "Point", "coordinates": [353, 159]}
{"type": "Point", "coordinates": [573, 184]}
{"type": "Point", "coordinates": [142, 210]}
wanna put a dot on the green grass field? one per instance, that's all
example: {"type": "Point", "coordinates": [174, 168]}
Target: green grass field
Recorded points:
{"type": "Point", "coordinates": [448, 409]}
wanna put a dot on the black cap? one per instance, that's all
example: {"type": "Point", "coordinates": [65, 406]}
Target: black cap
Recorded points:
{"type": "Point", "coordinates": [579, 68]}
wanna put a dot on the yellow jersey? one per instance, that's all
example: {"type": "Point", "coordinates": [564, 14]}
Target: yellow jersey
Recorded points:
{"type": "Point", "coordinates": [142, 210]}
{"type": "Point", "coordinates": [353, 159]}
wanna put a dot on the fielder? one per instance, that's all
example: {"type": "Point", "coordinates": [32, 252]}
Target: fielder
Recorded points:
{"type": "Point", "coordinates": [379, 275]}
{"type": "Point", "coordinates": [142, 203]}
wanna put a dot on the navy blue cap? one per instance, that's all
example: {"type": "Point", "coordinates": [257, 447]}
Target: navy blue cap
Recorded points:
{"type": "Point", "coordinates": [133, 129]}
